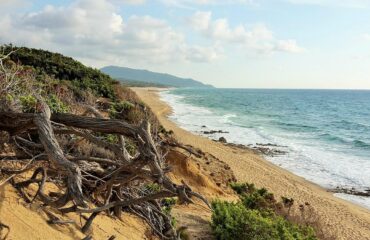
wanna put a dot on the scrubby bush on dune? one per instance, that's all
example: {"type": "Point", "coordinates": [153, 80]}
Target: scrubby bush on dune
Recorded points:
{"type": "Point", "coordinates": [255, 217]}
{"type": "Point", "coordinates": [235, 221]}
{"type": "Point", "coordinates": [64, 68]}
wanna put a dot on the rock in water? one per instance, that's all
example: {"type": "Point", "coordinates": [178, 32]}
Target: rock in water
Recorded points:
{"type": "Point", "coordinates": [222, 139]}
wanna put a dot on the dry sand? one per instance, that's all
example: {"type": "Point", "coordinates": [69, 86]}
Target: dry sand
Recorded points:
{"type": "Point", "coordinates": [29, 222]}
{"type": "Point", "coordinates": [341, 219]}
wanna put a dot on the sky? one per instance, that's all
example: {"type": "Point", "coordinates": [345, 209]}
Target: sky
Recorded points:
{"type": "Point", "coordinates": [230, 43]}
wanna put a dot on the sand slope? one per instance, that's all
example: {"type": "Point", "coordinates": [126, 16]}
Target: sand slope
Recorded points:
{"type": "Point", "coordinates": [205, 175]}
{"type": "Point", "coordinates": [341, 219]}
{"type": "Point", "coordinates": [28, 221]}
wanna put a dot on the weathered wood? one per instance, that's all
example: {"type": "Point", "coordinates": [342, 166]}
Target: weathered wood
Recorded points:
{"type": "Point", "coordinates": [56, 155]}
{"type": "Point", "coordinates": [95, 124]}
{"type": "Point", "coordinates": [17, 122]}
{"type": "Point", "coordinates": [113, 185]}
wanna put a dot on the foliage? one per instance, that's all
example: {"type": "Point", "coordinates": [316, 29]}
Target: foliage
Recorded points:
{"type": "Point", "coordinates": [167, 204]}
{"type": "Point", "coordinates": [111, 138]}
{"type": "Point", "coordinates": [119, 108]}
{"type": "Point", "coordinates": [127, 111]}
{"type": "Point", "coordinates": [254, 198]}
{"type": "Point", "coordinates": [259, 199]}
{"type": "Point", "coordinates": [56, 105]}
{"type": "Point", "coordinates": [151, 188]}
{"type": "Point", "coordinates": [242, 188]}
{"type": "Point", "coordinates": [64, 68]}
{"type": "Point", "coordinates": [236, 221]}
{"type": "Point", "coordinates": [254, 217]}
{"type": "Point", "coordinates": [28, 103]}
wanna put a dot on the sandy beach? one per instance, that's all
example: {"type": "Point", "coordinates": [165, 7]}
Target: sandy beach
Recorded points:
{"type": "Point", "coordinates": [341, 219]}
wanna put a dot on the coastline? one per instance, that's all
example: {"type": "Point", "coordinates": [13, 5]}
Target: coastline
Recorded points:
{"type": "Point", "coordinates": [341, 218]}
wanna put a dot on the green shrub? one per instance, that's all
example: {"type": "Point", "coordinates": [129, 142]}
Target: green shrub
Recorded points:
{"type": "Point", "coordinates": [151, 188]}
{"type": "Point", "coordinates": [255, 216]}
{"type": "Point", "coordinates": [231, 221]}
{"type": "Point", "coordinates": [60, 67]}
{"type": "Point", "coordinates": [135, 115]}
{"type": "Point", "coordinates": [56, 105]}
{"type": "Point", "coordinates": [259, 199]}
{"type": "Point", "coordinates": [119, 108]}
{"type": "Point", "coordinates": [241, 188]}
{"type": "Point", "coordinates": [167, 204]}
{"type": "Point", "coordinates": [28, 103]}
{"type": "Point", "coordinates": [111, 138]}
{"type": "Point", "coordinates": [254, 198]}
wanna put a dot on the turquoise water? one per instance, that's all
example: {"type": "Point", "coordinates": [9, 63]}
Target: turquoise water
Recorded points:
{"type": "Point", "coordinates": [325, 132]}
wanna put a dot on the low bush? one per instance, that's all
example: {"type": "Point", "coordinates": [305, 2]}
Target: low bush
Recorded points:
{"type": "Point", "coordinates": [151, 188]}
{"type": "Point", "coordinates": [255, 216]}
{"type": "Point", "coordinates": [56, 105]}
{"type": "Point", "coordinates": [231, 221]}
{"type": "Point", "coordinates": [120, 109]}
{"type": "Point", "coordinates": [28, 103]}
{"type": "Point", "coordinates": [167, 204]}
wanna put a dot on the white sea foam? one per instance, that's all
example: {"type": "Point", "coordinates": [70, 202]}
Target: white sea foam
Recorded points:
{"type": "Point", "coordinates": [314, 161]}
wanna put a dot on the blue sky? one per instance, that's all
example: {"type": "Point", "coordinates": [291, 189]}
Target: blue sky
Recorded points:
{"type": "Point", "coordinates": [231, 43]}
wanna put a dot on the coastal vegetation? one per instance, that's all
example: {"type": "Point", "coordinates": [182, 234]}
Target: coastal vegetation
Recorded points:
{"type": "Point", "coordinates": [257, 215]}
{"type": "Point", "coordinates": [69, 127]}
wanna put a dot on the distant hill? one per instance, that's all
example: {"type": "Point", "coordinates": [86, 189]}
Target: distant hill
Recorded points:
{"type": "Point", "coordinates": [128, 74]}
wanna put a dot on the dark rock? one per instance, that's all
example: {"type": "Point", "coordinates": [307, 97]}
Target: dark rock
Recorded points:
{"type": "Point", "coordinates": [214, 131]}
{"type": "Point", "coordinates": [269, 145]}
{"type": "Point", "coordinates": [222, 139]}
{"type": "Point", "coordinates": [268, 151]}
{"type": "Point", "coordinates": [351, 191]}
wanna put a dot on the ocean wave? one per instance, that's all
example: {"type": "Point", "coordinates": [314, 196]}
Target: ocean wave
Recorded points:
{"type": "Point", "coordinates": [295, 126]}
{"type": "Point", "coordinates": [361, 144]}
{"type": "Point", "coordinates": [348, 142]}
{"type": "Point", "coordinates": [350, 125]}
{"type": "Point", "coordinates": [332, 138]}
{"type": "Point", "coordinates": [326, 151]}
{"type": "Point", "coordinates": [227, 118]}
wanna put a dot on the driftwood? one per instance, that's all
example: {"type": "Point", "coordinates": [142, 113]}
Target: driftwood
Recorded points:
{"type": "Point", "coordinates": [111, 184]}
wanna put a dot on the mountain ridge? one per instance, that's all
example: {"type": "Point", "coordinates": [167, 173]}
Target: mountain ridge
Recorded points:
{"type": "Point", "coordinates": [147, 76]}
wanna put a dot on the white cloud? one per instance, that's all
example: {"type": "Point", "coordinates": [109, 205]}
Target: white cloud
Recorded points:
{"type": "Point", "coordinates": [91, 30]}
{"type": "Point", "coordinates": [335, 3]}
{"type": "Point", "coordinates": [366, 36]}
{"type": "Point", "coordinates": [7, 6]}
{"type": "Point", "coordinates": [257, 37]}
{"type": "Point", "coordinates": [10, 2]}
{"type": "Point", "coordinates": [289, 45]}
{"type": "Point", "coordinates": [207, 2]}
{"type": "Point", "coordinates": [134, 2]}
{"type": "Point", "coordinates": [187, 3]}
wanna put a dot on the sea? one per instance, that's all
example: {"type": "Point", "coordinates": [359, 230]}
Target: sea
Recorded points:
{"type": "Point", "coordinates": [325, 133]}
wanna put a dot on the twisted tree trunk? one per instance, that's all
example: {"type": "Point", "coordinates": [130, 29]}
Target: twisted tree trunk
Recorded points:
{"type": "Point", "coordinates": [56, 155]}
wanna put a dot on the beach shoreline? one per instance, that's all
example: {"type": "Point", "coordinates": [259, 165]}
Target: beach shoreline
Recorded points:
{"type": "Point", "coordinates": [343, 219]}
